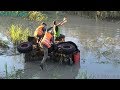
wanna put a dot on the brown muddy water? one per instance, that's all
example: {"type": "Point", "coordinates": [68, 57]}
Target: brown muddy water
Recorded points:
{"type": "Point", "coordinates": [98, 41]}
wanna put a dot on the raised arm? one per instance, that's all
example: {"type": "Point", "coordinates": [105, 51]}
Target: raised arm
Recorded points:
{"type": "Point", "coordinates": [62, 22]}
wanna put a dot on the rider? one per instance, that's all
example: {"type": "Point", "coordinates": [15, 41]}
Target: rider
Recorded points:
{"type": "Point", "coordinates": [56, 29]}
{"type": "Point", "coordinates": [40, 31]}
{"type": "Point", "coordinates": [46, 44]}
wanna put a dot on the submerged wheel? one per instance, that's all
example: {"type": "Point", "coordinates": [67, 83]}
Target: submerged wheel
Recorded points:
{"type": "Point", "coordinates": [25, 47]}
{"type": "Point", "coordinates": [33, 55]}
{"type": "Point", "coordinates": [73, 44]}
{"type": "Point", "coordinates": [70, 61]}
{"type": "Point", "coordinates": [66, 48]}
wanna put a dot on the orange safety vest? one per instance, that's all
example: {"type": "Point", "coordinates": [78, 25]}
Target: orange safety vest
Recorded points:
{"type": "Point", "coordinates": [46, 39]}
{"type": "Point", "coordinates": [39, 31]}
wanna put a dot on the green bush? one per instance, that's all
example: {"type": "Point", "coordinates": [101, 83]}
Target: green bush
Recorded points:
{"type": "Point", "coordinates": [18, 34]}
{"type": "Point", "coordinates": [38, 16]}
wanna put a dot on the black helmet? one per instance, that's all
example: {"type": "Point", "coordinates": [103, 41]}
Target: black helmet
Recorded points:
{"type": "Point", "coordinates": [54, 22]}
{"type": "Point", "coordinates": [50, 31]}
{"type": "Point", "coordinates": [44, 23]}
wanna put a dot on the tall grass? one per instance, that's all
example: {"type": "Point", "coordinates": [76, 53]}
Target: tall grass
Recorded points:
{"type": "Point", "coordinates": [43, 15]}
{"type": "Point", "coordinates": [111, 15]}
{"type": "Point", "coordinates": [18, 34]}
{"type": "Point", "coordinates": [38, 16]}
{"type": "Point", "coordinates": [31, 15]}
{"type": "Point", "coordinates": [34, 15]}
{"type": "Point", "coordinates": [6, 70]}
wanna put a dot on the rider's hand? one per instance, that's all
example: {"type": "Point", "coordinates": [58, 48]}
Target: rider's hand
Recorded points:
{"type": "Point", "coordinates": [64, 19]}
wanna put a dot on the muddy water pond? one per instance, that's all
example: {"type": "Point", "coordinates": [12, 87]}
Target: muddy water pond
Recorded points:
{"type": "Point", "coordinates": [98, 41]}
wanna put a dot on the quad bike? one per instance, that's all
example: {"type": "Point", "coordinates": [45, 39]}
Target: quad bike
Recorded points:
{"type": "Point", "coordinates": [63, 52]}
